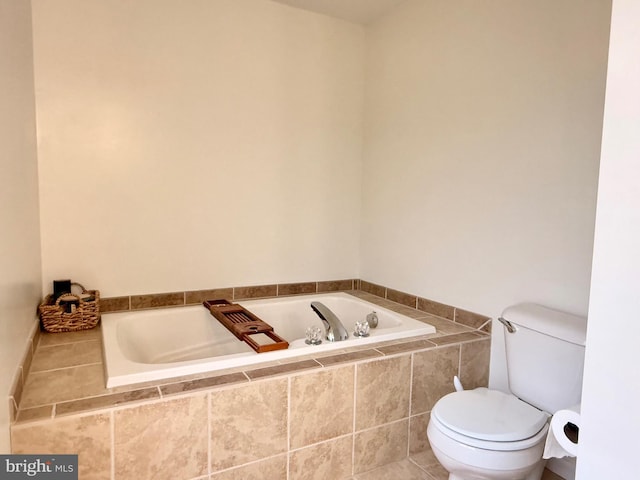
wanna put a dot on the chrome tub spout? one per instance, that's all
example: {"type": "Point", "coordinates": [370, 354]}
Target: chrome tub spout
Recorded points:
{"type": "Point", "coordinates": [334, 328]}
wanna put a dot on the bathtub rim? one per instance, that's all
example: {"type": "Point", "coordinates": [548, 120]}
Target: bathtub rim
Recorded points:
{"type": "Point", "coordinates": [118, 372]}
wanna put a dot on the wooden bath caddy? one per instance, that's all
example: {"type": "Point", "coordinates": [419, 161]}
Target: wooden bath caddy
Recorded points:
{"type": "Point", "coordinates": [244, 325]}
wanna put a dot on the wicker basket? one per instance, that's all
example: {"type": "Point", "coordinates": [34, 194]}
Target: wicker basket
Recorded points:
{"type": "Point", "coordinates": [54, 318]}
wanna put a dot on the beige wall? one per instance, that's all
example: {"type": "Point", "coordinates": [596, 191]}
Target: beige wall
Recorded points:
{"type": "Point", "coordinates": [482, 142]}
{"type": "Point", "coordinates": [201, 144]}
{"type": "Point", "coordinates": [197, 144]}
{"type": "Point", "coordinates": [20, 240]}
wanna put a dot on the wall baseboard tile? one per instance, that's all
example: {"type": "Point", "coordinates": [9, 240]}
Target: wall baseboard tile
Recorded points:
{"type": "Point", "coordinates": [193, 297]}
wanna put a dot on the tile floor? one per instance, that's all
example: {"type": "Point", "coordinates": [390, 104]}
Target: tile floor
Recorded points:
{"type": "Point", "coordinates": [420, 466]}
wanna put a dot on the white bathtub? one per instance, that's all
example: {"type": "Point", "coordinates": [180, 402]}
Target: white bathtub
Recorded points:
{"type": "Point", "coordinates": [157, 344]}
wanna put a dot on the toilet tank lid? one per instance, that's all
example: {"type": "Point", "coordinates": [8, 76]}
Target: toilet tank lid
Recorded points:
{"type": "Point", "coordinates": [561, 325]}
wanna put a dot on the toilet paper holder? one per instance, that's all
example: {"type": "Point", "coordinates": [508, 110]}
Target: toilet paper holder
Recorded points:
{"type": "Point", "coordinates": [571, 430]}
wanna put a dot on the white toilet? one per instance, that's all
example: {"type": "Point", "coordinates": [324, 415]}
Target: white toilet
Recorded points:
{"type": "Point", "coordinates": [485, 434]}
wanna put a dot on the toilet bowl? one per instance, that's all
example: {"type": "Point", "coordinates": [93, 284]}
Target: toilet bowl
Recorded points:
{"type": "Point", "coordinates": [487, 434]}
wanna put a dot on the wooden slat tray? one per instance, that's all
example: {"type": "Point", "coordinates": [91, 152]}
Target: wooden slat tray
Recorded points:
{"type": "Point", "coordinates": [245, 325]}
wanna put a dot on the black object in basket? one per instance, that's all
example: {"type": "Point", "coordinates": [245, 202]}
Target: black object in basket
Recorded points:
{"type": "Point", "coordinates": [81, 313]}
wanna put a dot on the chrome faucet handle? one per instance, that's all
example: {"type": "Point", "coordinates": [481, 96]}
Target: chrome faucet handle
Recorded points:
{"type": "Point", "coordinates": [313, 335]}
{"type": "Point", "coordinates": [362, 329]}
{"type": "Point", "coordinates": [372, 319]}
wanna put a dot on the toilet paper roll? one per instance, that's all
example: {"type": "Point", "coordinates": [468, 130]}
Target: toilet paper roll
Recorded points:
{"type": "Point", "coordinates": [562, 438]}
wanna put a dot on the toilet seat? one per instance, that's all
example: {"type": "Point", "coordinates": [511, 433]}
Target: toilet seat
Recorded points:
{"type": "Point", "coordinates": [489, 419]}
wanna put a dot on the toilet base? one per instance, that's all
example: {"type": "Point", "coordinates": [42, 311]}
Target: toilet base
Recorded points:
{"type": "Point", "coordinates": [464, 462]}
{"type": "Point", "coordinates": [485, 474]}
{"type": "Point", "coordinates": [536, 474]}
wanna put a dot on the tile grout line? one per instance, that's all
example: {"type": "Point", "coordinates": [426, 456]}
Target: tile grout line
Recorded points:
{"type": "Point", "coordinates": [289, 380]}
{"type": "Point", "coordinates": [209, 433]}
{"type": "Point", "coordinates": [460, 362]}
{"type": "Point", "coordinates": [410, 406]}
{"type": "Point", "coordinates": [112, 433]}
{"type": "Point", "coordinates": [370, 429]}
{"type": "Point", "coordinates": [100, 395]}
{"type": "Point", "coordinates": [67, 368]}
{"type": "Point", "coordinates": [238, 467]}
{"type": "Point", "coordinates": [488, 322]}
{"type": "Point", "coordinates": [353, 428]}
{"type": "Point", "coordinates": [54, 345]}
{"type": "Point", "coordinates": [312, 445]}
{"type": "Point", "coordinates": [423, 468]}
{"type": "Point", "coordinates": [18, 379]}
{"type": "Point", "coordinates": [12, 400]}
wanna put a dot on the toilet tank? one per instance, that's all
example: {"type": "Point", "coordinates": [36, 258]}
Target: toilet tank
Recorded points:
{"type": "Point", "coordinates": [545, 355]}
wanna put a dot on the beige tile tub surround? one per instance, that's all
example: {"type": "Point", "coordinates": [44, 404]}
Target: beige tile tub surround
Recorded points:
{"type": "Point", "coordinates": [248, 423]}
{"type": "Point", "coordinates": [63, 338]}
{"type": "Point", "coordinates": [381, 445]}
{"type": "Point", "coordinates": [294, 418]}
{"type": "Point", "coordinates": [87, 436]}
{"type": "Point", "coordinates": [321, 406]}
{"type": "Point", "coordinates": [418, 441]}
{"type": "Point", "coordinates": [436, 308]}
{"type": "Point", "coordinates": [433, 372]}
{"type": "Point", "coordinates": [67, 355]}
{"type": "Point", "coordinates": [165, 440]}
{"type": "Point", "coordinates": [382, 388]}
{"type": "Point", "coordinates": [258, 291]}
{"type": "Point", "coordinates": [193, 297]}
{"type": "Point", "coordinates": [473, 357]}
{"type": "Point", "coordinates": [65, 366]}
{"type": "Point", "coordinates": [157, 300]}
{"type": "Point", "coordinates": [297, 288]}
{"type": "Point", "coordinates": [337, 285]}
{"type": "Point", "coordinates": [326, 460]}
{"type": "Point", "coordinates": [459, 316]}
{"type": "Point", "coordinates": [348, 413]}
{"type": "Point", "coordinates": [20, 376]}
{"type": "Point", "coordinates": [54, 386]}
{"type": "Point", "coordinates": [199, 296]}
